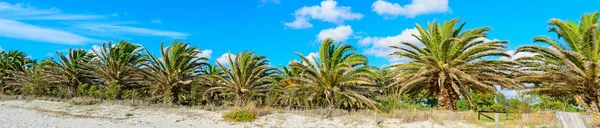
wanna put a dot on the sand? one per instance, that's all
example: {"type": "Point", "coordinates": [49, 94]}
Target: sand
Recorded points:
{"type": "Point", "coordinates": [49, 114]}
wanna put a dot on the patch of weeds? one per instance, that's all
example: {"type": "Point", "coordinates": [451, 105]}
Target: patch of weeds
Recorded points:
{"type": "Point", "coordinates": [128, 115]}
{"type": "Point", "coordinates": [84, 101]}
{"type": "Point", "coordinates": [240, 115]}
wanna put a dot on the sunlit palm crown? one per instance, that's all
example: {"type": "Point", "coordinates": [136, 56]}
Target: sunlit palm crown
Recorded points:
{"type": "Point", "coordinates": [173, 71]}
{"type": "Point", "coordinates": [248, 74]}
{"type": "Point", "coordinates": [452, 58]}
{"type": "Point", "coordinates": [567, 67]}
{"type": "Point", "coordinates": [337, 76]}
{"type": "Point", "coordinates": [10, 60]}
{"type": "Point", "coordinates": [118, 63]}
{"type": "Point", "coordinates": [70, 69]}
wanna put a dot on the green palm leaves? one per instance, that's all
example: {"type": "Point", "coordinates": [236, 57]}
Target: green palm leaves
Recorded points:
{"type": "Point", "coordinates": [338, 77]}
{"type": "Point", "coordinates": [248, 74]}
{"type": "Point", "coordinates": [118, 64]}
{"type": "Point", "coordinates": [173, 72]}
{"type": "Point", "coordinates": [452, 62]}
{"type": "Point", "coordinates": [569, 68]}
{"type": "Point", "coordinates": [71, 71]}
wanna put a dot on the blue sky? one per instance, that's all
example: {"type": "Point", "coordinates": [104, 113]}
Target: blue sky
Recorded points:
{"type": "Point", "coordinates": [274, 28]}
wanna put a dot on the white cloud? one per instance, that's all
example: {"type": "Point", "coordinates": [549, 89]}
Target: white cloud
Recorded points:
{"type": "Point", "coordinates": [312, 57]}
{"type": "Point", "coordinates": [299, 23]}
{"type": "Point", "coordinates": [340, 33]}
{"type": "Point", "coordinates": [95, 48]}
{"type": "Point", "coordinates": [21, 11]}
{"type": "Point", "coordinates": [19, 30]}
{"type": "Point", "coordinates": [417, 7]}
{"type": "Point", "coordinates": [328, 11]}
{"type": "Point", "coordinates": [114, 14]}
{"type": "Point", "coordinates": [516, 56]}
{"type": "Point", "coordinates": [1, 49]}
{"type": "Point", "coordinates": [49, 54]}
{"type": "Point", "coordinates": [380, 46]}
{"type": "Point", "coordinates": [224, 59]}
{"type": "Point", "coordinates": [205, 53]}
{"type": "Point", "coordinates": [156, 21]}
{"type": "Point", "coordinates": [108, 28]}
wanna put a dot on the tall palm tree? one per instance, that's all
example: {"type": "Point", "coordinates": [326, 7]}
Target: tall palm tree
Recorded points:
{"type": "Point", "coordinates": [173, 72]}
{"type": "Point", "coordinates": [452, 62]}
{"type": "Point", "coordinates": [567, 67]}
{"type": "Point", "coordinates": [248, 74]}
{"type": "Point", "coordinates": [119, 64]}
{"type": "Point", "coordinates": [338, 78]}
{"type": "Point", "coordinates": [71, 71]}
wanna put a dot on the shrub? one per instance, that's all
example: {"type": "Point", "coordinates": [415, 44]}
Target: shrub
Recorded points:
{"type": "Point", "coordinates": [82, 90]}
{"type": "Point", "coordinates": [131, 94]}
{"type": "Point", "coordinates": [84, 101]}
{"type": "Point", "coordinates": [112, 91]}
{"type": "Point", "coordinates": [240, 115]}
{"type": "Point", "coordinates": [64, 92]}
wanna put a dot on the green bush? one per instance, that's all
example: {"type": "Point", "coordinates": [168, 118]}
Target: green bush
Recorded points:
{"type": "Point", "coordinates": [82, 90]}
{"type": "Point", "coordinates": [241, 115]}
{"type": "Point", "coordinates": [112, 91]}
{"type": "Point", "coordinates": [64, 92]}
{"type": "Point", "coordinates": [131, 94]}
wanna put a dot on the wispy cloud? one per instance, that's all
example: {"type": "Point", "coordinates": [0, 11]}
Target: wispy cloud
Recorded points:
{"type": "Point", "coordinates": [264, 2]}
{"type": "Point", "coordinates": [20, 30]}
{"type": "Point", "coordinates": [20, 11]}
{"type": "Point", "coordinates": [117, 29]}
{"type": "Point", "coordinates": [156, 21]}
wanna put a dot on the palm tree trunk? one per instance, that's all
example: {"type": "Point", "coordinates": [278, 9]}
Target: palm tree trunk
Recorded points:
{"type": "Point", "coordinates": [447, 98]}
{"type": "Point", "coordinates": [331, 106]}
{"type": "Point", "coordinates": [239, 99]}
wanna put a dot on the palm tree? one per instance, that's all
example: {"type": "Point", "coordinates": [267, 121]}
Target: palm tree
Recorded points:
{"type": "Point", "coordinates": [248, 75]}
{"type": "Point", "coordinates": [288, 72]}
{"type": "Point", "coordinates": [173, 72]}
{"type": "Point", "coordinates": [208, 78]}
{"type": "Point", "coordinates": [338, 78]}
{"type": "Point", "coordinates": [119, 64]}
{"type": "Point", "coordinates": [71, 71]}
{"type": "Point", "coordinates": [33, 80]}
{"type": "Point", "coordinates": [571, 68]}
{"type": "Point", "coordinates": [452, 63]}
{"type": "Point", "coordinates": [385, 77]}
{"type": "Point", "coordinates": [11, 61]}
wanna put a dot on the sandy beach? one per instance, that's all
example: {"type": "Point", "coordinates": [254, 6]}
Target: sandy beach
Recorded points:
{"type": "Point", "coordinates": [49, 114]}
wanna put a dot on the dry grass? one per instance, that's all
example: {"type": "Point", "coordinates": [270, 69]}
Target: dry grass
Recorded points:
{"type": "Point", "coordinates": [84, 101]}
{"type": "Point", "coordinates": [248, 113]}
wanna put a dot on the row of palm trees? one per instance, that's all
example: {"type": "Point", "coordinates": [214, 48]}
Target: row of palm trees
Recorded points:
{"type": "Point", "coordinates": [451, 63]}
